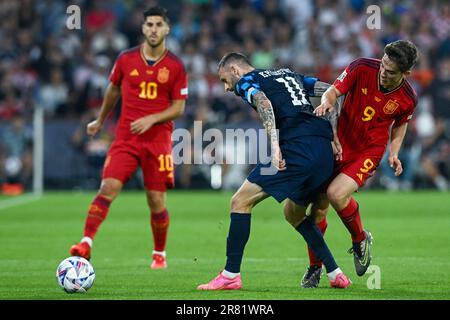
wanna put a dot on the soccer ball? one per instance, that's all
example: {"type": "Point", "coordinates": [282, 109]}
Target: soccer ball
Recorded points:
{"type": "Point", "coordinates": [75, 274]}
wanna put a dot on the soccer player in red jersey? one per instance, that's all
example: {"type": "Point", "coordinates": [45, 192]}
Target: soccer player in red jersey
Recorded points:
{"type": "Point", "coordinates": [153, 84]}
{"type": "Point", "coordinates": [378, 104]}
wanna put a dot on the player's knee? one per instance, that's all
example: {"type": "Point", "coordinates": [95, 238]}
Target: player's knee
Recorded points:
{"type": "Point", "coordinates": [288, 216]}
{"type": "Point", "coordinates": [156, 206]}
{"type": "Point", "coordinates": [110, 189]}
{"type": "Point", "coordinates": [238, 203]}
{"type": "Point", "coordinates": [291, 217]}
{"type": "Point", "coordinates": [235, 202]}
{"type": "Point", "coordinates": [335, 195]}
{"type": "Point", "coordinates": [293, 220]}
{"type": "Point", "coordinates": [156, 201]}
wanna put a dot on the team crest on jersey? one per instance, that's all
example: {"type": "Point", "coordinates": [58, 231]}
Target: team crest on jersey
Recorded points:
{"type": "Point", "coordinates": [163, 75]}
{"type": "Point", "coordinates": [390, 107]}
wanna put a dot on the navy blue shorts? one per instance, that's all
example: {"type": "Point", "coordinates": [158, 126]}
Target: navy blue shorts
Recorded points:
{"type": "Point", "coordinates": [309, 165]}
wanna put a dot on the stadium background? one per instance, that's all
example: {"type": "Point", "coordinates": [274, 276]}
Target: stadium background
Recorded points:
{"type": "Point", "coordinates": [45, 66]}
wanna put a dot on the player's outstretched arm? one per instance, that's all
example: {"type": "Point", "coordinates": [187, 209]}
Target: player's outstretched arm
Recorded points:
{"type": "Point", "coordinates": [397, 136]}
{"type": "Point", "coordinates": [320, 88]}
{"type": "Point", "coordinates": [112, 94]}
{"type": "Point", "coordinates": [265, 110]}
{"type": "Point", "coordinates": [329, 99]}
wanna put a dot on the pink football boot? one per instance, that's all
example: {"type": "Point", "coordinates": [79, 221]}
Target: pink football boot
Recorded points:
{"type": "Point", "coordinates": [222, 283]}
{"type": "Point", "coordinates": [341, 281]}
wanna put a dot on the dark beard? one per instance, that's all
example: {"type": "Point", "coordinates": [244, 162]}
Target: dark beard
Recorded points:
{"type": "Point", "coordinates": [154, 45]}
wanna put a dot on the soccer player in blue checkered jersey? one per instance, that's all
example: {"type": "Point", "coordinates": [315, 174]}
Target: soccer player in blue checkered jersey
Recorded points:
{"type": "Point", "coordinates": [302, 161]}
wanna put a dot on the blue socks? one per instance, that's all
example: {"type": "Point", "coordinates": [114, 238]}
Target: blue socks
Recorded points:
{"type": "Point", "coordinates": [238, 235]}
{"type": "Point", "coordinates": [314, 239]}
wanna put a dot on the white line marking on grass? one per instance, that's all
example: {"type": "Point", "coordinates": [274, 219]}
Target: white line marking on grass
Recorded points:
{"type": "Point", "coordinates": [17, 201]}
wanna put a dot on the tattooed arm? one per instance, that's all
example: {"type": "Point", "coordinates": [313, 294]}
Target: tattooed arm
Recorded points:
{"type": "Point", "coordinates": [265, 110]}
{"type": "Point", "coordinates": [320, 89]}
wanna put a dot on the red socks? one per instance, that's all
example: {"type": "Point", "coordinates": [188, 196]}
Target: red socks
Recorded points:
{"type": "Point", "coordinates": [313, 260]}
{"type": "Point", "coordinates": [352, 220]}
{"type": "Point", "coordinates": [160, 226]}
{"type": "Point", "coordinates": [97, 213]}
{"type": "Point", "coordinates": [99, 210]}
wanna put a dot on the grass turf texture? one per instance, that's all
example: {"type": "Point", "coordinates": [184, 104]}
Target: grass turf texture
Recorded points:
{"type": "Point", "coordinates": [411, 248]}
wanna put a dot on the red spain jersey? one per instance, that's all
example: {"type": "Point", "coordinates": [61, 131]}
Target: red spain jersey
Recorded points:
{"type": "Point", "coordinates": [147, 89]}
{"type": "Point", "coordinates": [368, 113]}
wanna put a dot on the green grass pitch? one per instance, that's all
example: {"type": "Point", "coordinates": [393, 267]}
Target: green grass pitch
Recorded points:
{"type": "Point", "coordinates": [411, 248]}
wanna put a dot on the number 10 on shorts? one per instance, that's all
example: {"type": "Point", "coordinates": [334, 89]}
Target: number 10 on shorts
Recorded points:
{"type": "Point", "coordinates": [165, 162]}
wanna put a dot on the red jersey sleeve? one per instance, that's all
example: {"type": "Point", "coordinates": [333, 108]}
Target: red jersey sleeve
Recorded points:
{"type": "Point", "coordinates": [405, 117]}
{"type": "Point", "coordinates": [116, 75]}
{"type": "Point", "coordinates": [180, 86]}
{"type": "Point", "coordinates": [411, 101]}
{"type": "Point", "coordinates": [347, 78]}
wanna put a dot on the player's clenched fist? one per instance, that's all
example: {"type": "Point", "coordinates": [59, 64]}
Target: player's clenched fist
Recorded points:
{"type": "Point", "coordinates": [277, 160]}
{"type": "Point", "coordinates": [93, 127]}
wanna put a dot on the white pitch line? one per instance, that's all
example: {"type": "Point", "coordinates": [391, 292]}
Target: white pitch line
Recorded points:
{"type": "Point", "coordinates": [13, 202]}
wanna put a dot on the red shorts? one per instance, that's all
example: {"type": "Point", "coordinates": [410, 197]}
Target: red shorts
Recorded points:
{"type": "Point", "coordinates": [359, 167]}
{"type": "Point", "coordinates": [155, 159]}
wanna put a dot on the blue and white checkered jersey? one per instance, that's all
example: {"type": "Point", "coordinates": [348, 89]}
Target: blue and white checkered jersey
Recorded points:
{"type": "Point", "coordinates": [289, 93]}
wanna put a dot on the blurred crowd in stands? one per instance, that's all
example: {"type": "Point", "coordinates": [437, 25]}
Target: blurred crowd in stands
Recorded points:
{"type": "Point", "coordinates": [45, 64]}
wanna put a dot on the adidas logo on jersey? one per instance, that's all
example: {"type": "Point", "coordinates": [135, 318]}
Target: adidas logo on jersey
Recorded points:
{"type": "Point", "coordinates": [134, 72]}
